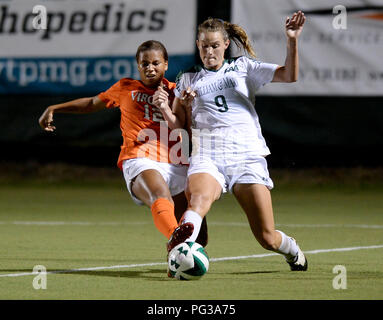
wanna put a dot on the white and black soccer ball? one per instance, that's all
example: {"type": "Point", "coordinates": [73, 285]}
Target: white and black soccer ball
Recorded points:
{"type": "Point", "coordinates": [188, 261]}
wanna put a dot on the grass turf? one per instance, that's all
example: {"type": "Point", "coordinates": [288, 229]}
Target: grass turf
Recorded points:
{"type": "Point", "coordinates": [66, 225]}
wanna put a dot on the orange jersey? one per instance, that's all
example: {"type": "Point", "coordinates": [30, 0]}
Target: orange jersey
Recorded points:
{"type": "Point", "coordinates": [143, 133]}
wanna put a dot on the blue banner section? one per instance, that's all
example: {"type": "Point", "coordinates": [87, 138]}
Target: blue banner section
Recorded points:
{"type": "Point", "coordinates": [74, 75]}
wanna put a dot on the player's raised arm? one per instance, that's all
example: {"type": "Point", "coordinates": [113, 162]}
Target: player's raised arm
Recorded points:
{"type": "Point", "coordinates": [82, 105]}
{"type": "Point", "coordinates": [289, 72]}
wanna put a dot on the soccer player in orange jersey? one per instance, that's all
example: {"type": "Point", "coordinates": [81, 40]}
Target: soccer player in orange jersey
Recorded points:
{"type": "Point", "coordinates": [152, 163]}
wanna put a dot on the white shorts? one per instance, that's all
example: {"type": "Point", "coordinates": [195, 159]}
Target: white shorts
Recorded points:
{"type": "Point", "coordinates": [236, 170]}
{"type": "Point", "coordinates": [173, 174]}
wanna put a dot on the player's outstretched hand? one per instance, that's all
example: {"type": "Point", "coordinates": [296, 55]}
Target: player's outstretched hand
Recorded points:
{"type": "Point", "coordinates": [294, 25]}
{"type": "Point", "coordinates": [46, 120]}
{"type": "Point", "coordinates": [161, 99]}
{"type": "Point", "coordinates": [188, 96]}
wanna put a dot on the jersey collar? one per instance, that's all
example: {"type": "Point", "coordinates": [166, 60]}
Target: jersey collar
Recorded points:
{"type": "Point", "coordinates": [211, 70]}
{"type": "Point", "coordinates": [165, 82]}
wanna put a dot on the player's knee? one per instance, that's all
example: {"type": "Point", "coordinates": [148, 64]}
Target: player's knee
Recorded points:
{"type": "Point", "coordinates": [200, 202]}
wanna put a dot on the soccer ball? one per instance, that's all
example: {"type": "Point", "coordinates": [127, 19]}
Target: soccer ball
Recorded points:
{"type": "Point", "coordinates": [188, 261]}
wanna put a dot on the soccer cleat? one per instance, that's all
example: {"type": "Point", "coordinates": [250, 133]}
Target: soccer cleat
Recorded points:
{"type": "Point", "coordinates": [180, 234]}
{"type": "Point", "coordinates": [300, 261]}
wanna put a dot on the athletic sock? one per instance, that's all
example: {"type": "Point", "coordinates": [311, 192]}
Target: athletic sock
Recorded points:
{"type": "Point", "coordinates": [288, 247]}
{"type": "Point", "coordinates": [163, 216]}
{"type": "Point", "coordinates": [196, 220]}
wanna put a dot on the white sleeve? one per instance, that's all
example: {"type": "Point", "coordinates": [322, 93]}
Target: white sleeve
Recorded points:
{"type": "Point", "coordinates": [182, 83]}
{"type": "Point", "coordinates": [260, 72]}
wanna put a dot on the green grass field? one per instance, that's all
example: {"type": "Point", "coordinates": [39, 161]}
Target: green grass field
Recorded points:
{"type": "Point", "coordinates": [103, 246]}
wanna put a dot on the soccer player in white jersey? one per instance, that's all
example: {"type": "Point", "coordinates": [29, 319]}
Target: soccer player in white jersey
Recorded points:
{"type": "Point", "coordinates": [228, 147]}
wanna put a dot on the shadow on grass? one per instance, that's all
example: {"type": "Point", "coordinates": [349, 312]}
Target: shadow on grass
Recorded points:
{"type": "Point", "coordinates": [147, 274]}
{"type": "Point", "coordinates": [151, 274]}
{"type": "Point", "coordinates": [81, 260]}
{"type": "Point", "coordinates": [253, 272]}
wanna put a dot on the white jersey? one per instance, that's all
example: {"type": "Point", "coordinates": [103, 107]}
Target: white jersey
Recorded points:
{"type": "Point", "coordinates": [225, 101]}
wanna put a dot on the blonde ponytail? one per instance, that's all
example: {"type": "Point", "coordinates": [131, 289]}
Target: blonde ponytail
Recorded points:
{"type": "Point", "coordinates": [239, 36]}
{"type": "Point", "coordinates": [230, 31]}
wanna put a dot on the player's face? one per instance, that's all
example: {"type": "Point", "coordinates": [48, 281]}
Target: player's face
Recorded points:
{"type": "Point", "coordinates": [212, 46]}
{"type": "Point", "coordinates": [152, 67]}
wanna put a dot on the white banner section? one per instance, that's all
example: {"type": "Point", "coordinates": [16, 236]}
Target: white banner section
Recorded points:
{"type": "Point", "coordinates": [76, 46]}
{"type": "Point", "coordinates": [340, 48]}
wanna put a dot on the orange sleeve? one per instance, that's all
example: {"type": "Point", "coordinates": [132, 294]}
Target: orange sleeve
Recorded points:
{"type": "Point", "coordinates": [111, 96]}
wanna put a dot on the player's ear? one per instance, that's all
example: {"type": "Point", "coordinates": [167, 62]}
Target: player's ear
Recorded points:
{"type": "Point", "coordinates": [166, 65]}
{"type": "Point", "coordinates": [227, 43]}
{"type": "Point", "coordinates": [197, 43]}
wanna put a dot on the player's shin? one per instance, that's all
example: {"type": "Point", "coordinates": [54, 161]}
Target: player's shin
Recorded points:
{"type": "Point", "coordinates": [163, 216]}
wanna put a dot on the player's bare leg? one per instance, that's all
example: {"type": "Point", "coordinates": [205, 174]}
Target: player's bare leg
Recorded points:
{"type": "Point", "coordinates": [255, 200]}
{"type": "Point", "coordinates": [199, 198]}
{"type": "Point", "coordinates": [151, 188]}
{"type": "Point", "coordinates": [201, 191]}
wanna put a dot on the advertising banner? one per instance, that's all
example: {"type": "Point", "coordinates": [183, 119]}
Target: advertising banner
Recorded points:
{"type": "Point", "coordinates": [340, 48]}
{"type": "Point", "coordinates": [72, 46]}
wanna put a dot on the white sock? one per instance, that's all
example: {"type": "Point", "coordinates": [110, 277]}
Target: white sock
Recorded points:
{"type": "Point", "coordinates": [195, 219]}
{"type": "Point", "coordinates": [288, 247]}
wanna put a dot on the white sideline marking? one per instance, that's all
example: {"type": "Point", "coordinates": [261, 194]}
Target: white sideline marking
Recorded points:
{"type": "Point", "coordinates": [213, 223]}
{"type": "Point", "coordinates": [73, 223]}
{"type": "Point", "coordinates": [297, 225]}
{"type": "Point", "coordinates": [164, 263]}
{"type": "Point", "coordinates": [306, 252]}
{"type": "Point", "coordinates": [363, 226]}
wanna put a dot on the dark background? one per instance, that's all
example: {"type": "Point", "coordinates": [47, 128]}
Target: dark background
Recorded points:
{"type": "Point", "coordinates": [304, 131]}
